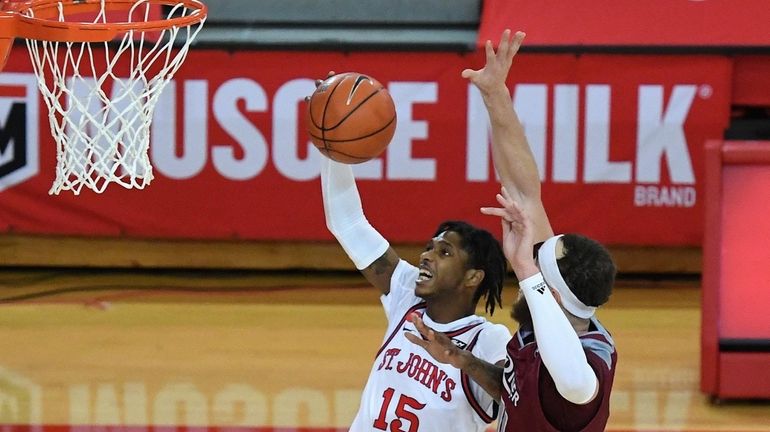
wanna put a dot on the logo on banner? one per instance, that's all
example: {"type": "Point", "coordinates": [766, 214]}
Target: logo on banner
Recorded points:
{"type": "Point", "coordinates": [660, 141]}
{"type": "Point", "coordinates": [18, 128]}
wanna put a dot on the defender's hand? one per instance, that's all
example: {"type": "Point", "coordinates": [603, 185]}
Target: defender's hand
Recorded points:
{"type": "Point", "coordinates": [438, 345]}
{"type": "Point", "coordinates": [493, 75]}
{"type": "Point", "coordinates": [518, 234]}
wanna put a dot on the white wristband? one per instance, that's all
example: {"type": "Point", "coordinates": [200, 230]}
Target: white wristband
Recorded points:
{"type": "Point", "coordinates": [534, 283]}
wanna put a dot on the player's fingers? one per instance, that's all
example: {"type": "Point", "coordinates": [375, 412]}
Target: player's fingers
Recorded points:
{"type": "Point", "coordinates": [416, 340]}
{"type": "Point", "coordinates": [502, 200]}
{"type": "Point", "coordinates": [515, 206]}
{"type": "Point", "coordinates": [469, 73]}
{"type": "Point", "coordinates": [504, 192]}
{"type": "Point", "coordinates": [499, 212]}
{"type": "Point", "coordinates": [428, 334]}
{"type": "Point", "coordinates": [521, 217]}
{"type": "Point", "coordinates": [420, 325]}
{"type": "Point", "coordinates": [505, 43]}
{"type": "Point", "coordinates": [516, 42]}
{"type": "Point", "coordinates": [509, 203]}
{"type": "Point", "coordinates": [505, 199]}
{"type": "Point", "coordinates": [506, 227]}
{"type": "Point", "coordinates": [490, 51]}
{"type": "Point", "coordinates": [518, 39]}
{"type": "Point", "coordinates": [516, 213]}
{"type": "Point", "coordinates": [426, 331]}
{"type": "Point", "coordinates": [494, 211]}
{"type": "Point", "coordinates": [509, 212]}
{"type": "Point", "coordinates": [330, 74]}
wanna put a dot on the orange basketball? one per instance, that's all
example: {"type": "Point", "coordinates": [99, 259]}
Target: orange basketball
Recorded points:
{"type": "Point", "coordinates": [351, 118]}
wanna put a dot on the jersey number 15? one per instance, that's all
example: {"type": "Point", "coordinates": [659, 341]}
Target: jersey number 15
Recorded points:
{"type": "Point", "coordinates": [402, 413]}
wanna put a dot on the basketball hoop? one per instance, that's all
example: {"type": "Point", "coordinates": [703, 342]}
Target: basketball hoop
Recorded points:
{"type": "Point", "coordinates": [101, 66]}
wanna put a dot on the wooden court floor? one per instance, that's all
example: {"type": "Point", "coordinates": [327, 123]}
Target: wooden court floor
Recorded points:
{"type": "Point", "coordinates": [286, 350]}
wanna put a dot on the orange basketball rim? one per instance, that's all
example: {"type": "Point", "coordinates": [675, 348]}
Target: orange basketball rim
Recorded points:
{"type": "Point", "coordinates": [40, 20]}
{"type": "Point", "coordinates": [140, 45]}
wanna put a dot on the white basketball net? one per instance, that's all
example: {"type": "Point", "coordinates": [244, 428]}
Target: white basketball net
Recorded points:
{"type": "Point", "coordinates": [101, 97]}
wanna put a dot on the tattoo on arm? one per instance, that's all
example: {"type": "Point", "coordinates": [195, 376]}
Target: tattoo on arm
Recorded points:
{"type": "Point", "coordinates": [380, 271]}
{"type": "Point", "coordinates": [487, 375]}
{"type": "Point", "coordinates": [382, 265]}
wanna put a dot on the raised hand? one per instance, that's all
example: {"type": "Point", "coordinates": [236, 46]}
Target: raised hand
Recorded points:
{"type": "Point", "coordinates": [518, 234]}
{"type": "Point", "coordinates": [318, 82]}
{"type": "Point", "coordinates": [495, 72]}
{"type": "Point", "coordinates": [328, 75]}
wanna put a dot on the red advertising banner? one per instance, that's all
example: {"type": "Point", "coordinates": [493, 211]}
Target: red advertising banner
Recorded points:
{"type": "Point", "coordinates": [751, 80]}
{"type": "Point", "coordinates": [629, 22]}
{"type": "Point", "coordinates": [619, 140]}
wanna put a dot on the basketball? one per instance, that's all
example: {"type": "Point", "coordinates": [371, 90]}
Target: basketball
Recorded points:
{"type": "Point", "coordinates": [351, 118]}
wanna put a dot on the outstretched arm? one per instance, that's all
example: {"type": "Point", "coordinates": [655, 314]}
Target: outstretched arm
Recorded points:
{"type": "Point", "coordinates": [487, 375]}
{"type": "Point", "coordinates": [370, 252]}
{"type": "Point", "coordinates": [557, 340]}
{"type": "Point", "coordinates": [512, 156]}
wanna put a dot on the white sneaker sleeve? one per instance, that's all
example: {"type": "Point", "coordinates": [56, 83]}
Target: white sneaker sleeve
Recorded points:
{"type": "Point", "coordinates": [558, 343]}
{"type": "Point", "coordinates": [345, 216]}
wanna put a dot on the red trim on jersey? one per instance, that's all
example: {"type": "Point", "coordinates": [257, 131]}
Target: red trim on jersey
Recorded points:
{"type": "Point", "coordinates": [520, 341]}
{"type": "Point", "coordinates": [398, 327]}
{"type": "Point", "coordinates": [458, 332]}
{"type": "Point", "coordinates": [463, 330]}
{"type": "Point", "coordinates": [466, 385]}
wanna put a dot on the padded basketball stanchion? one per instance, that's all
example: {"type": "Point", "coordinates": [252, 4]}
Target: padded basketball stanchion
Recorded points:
{"type": "Point", "coordinates": [101, 66]}
{"type": "Point", "coordinates": [735, 324]}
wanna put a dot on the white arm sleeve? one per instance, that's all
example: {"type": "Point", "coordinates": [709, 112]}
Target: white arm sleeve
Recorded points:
{"type": "Point", "coordinates": [345, 216]}
{"type": "Point", "coordinates": [558, 343]}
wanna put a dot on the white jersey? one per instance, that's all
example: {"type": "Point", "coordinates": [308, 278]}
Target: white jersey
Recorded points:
{"type": "Point", "coordinates": [407, 389]}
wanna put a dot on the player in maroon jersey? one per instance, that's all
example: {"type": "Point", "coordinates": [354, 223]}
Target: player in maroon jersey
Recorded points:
{"type": "Point", "coordinates": [561, 362]}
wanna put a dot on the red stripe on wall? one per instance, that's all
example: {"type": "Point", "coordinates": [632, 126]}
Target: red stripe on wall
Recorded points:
{"type": "Point", "coordinates": [630, 22]}
{"type": "Point", "coordinates": [751, 81]}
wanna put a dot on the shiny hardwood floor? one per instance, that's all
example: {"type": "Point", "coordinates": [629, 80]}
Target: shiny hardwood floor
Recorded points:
{"type": "Point", "coordinates": [85, 347]}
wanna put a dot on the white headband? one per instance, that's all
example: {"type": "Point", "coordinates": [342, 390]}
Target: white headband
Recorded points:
{"type": "Point", "coordinates": [546, 258]}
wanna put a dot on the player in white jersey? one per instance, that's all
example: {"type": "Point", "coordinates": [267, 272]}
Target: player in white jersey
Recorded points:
{"type": "Point", "coordinates": [407, 385]}
{"type": "Point", "coordinates": [407, 390]}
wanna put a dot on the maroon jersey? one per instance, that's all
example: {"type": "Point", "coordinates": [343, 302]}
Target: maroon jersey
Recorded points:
{"type": "Point", "coordinates": [531, 400]}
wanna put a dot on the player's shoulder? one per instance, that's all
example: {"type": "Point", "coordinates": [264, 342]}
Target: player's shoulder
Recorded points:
{"type": "Point", "coordinates": [596, 331]}
{"type": "Point", "coordinates": [495, 332]}
{"type": "Point", "coordinates": [599, 342]}
{"type": "Point", "coordinates": [404, 275]}
{"type": "Point", "coordinates": [492, 340]}
{"type": "Point", "coordinates": [401, 295]}
{"type": "Point", "coordinates": [403, 280]}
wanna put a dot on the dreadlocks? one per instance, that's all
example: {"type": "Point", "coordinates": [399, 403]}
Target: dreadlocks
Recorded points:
{"type": "Point", "coordinates": [484, 253]}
